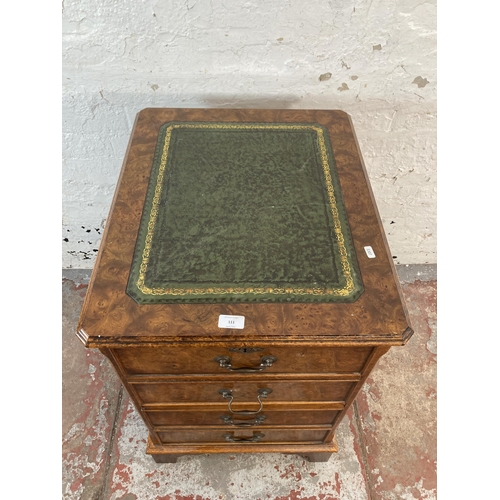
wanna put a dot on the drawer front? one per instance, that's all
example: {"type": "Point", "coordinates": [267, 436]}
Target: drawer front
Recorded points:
{"type": "Point", "coordinates": [230, 436]}
{"type": "Point", "coordinates": [224, 418]}
{"type": "Point", "coordinates": [242, 391]}
{"type": "Point", "coordinates": [192, 360]}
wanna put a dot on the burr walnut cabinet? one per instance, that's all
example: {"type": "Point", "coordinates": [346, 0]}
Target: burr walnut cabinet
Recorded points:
{"type": "Point", "coordinates": [244, 289]}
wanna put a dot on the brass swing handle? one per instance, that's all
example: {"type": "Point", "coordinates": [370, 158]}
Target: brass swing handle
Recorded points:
{"type": "Point", "coordinates": [232, 439]}
{"type": "Point", "coordinates": [250, 423]}
{"type": "Point", "coordinates": [265, 362]}
{"type": "Point", "coordinates": [228, 394]}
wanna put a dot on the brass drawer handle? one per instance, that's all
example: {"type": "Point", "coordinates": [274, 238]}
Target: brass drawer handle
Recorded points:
{"type": "Point", "coordinates": [232, 439]}
{"type": "Point", "coordinates": [250, 423]}
{"type": "Point", "coordinates": [265, 362]}
{"type": "Point", "coordinates": [228, 394]}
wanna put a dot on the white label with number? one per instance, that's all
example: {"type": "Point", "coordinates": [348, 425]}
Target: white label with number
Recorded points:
{"type": "Point", "coordinates": [226, 321]}
{"type": "Point", "coordinates": [369, 251]}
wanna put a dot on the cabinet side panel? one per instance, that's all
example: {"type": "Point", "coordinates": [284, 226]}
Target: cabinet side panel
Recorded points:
{"type": "Point", "coordinates": [370, 364]}
{"type": "Point", "coordinates": [131, 392]}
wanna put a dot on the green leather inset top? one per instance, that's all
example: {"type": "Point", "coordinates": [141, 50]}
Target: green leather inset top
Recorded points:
{"type": "Point", "coordinates": [244, 212]}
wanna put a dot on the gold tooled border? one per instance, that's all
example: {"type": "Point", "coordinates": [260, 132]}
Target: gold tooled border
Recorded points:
{"type": "Point", "coordinates": [346, 268]}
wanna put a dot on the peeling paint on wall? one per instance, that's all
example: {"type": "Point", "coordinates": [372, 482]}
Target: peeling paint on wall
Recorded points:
{"type": "Point", "coordinates": [121, 57]}
{"type": "Point", "coordinates": [82, 243]}
{"type": "Point", "coordinates": [420, 82]}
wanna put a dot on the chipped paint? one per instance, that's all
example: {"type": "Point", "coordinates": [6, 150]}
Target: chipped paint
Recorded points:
{"type": "Point", "coordinates": [123, 56]}
{"type": "Point", "coordinates": [90, 390]}
{"type": "Point", "coordinates": [410, 492]}
{"type": "Point", "coordinates": [420, 82]}
{"type": "Point", "coordinates": [86, 459]}
{"type": "Point", "coordinates": [387, 440]}
{"type": "Point", "coordinates": [397, 407]}
{"type": "Point", "coordinates": [240, 477]}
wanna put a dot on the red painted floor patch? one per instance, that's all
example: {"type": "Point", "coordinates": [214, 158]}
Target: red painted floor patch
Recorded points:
{"type": "Point", "coordinates": [90, 396]}
{"type": "Point", "coordinates": [397, 408]}
{"type": "Point", "coordinates": [387, 441]}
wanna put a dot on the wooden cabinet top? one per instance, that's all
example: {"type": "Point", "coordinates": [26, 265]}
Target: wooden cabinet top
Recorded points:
{"type": "Point", "coordinates": [131, 299]}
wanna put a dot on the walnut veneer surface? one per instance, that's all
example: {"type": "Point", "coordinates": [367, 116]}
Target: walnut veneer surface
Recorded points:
{"type": "Point", "coordinates": [165, 354]}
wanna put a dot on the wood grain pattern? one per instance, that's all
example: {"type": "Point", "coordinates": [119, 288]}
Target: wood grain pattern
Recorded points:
{"type": "Point", "coordinates": [110, 316]}
{"type": "Point", "coordinates": [243, 391]}
{"type": "Point", "coordinates": [176, 450]}
{"type": "Point", "coordinates": [221, 407]}
{"type": "Point", "coordinates": [192, 360]}
{"type": "Point", "coordinates": [207, 436]}
{"type": "Point", "coordinates": [165, 354]}
{"type": "Point", "coordinates": [205, 417]}
{"type": "Point", "coordinates": [355, 388]}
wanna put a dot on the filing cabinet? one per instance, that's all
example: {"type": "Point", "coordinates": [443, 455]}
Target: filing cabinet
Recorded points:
{"type": "Point", "coordinates": [244, 289]}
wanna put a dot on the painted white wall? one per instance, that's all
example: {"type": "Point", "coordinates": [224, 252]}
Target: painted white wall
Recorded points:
{"type": "Point", "coordinates": [375, 59]}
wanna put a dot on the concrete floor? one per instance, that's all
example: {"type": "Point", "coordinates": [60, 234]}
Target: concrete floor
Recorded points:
{"type": "Point", "coordinates": [387, 441]}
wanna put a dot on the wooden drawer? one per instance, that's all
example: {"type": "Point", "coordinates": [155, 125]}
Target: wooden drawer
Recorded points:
{"type": "Point", "coordinates": [191, 360]}
{"type": "Point", "coordinates": [217, 436]}
{"type": "Point", "coordinates": [267, 417]}
{"type": "Point", "coordinates": [242, 391]}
